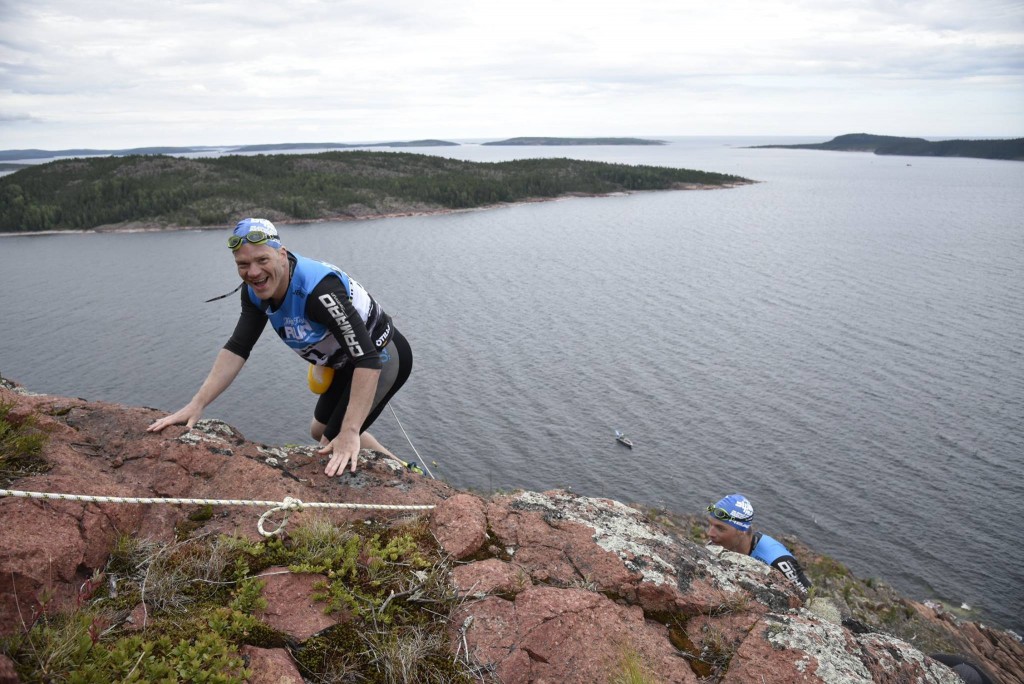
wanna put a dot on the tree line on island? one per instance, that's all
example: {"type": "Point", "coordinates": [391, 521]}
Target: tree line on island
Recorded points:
{"type": "Point", "coordinates": [1007, 149]}
{"type": "Point", "coordinates": [82, 194]}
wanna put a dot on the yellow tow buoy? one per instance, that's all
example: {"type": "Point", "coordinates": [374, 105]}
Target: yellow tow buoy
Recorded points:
{"type": "Point", "coordinates": [319, 378]}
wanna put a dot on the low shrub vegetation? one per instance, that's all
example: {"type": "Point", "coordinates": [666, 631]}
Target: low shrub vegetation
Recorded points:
{"type": "Point", "coordinates": [21, 447]}
{"type": "Point", "coordinates": [201, 598]}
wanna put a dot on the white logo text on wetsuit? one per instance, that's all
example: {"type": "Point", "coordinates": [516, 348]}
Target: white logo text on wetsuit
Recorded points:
{"type": "Point", "coordinates": [383, 336]}
{"type": "Point", "coordinates": [337, 311]}
{"type": "Point", "coordinates": [297, 328]}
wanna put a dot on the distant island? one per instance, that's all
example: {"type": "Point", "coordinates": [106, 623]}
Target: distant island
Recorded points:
{"type": "Point", "coordinates": [24, 155]}
{"type": "Point", "coordinates": [1009, 149]}
{"type": "Point", "coordinates": [8, 155]}
{"type": "Point", "coordinates": [341, 146]}
{"type": "Point", "coordinates": [164, 192]}
{"type": "Point", "coordinates": [576, 141]}
{"type": "Point", "coordinates": [19, 155]}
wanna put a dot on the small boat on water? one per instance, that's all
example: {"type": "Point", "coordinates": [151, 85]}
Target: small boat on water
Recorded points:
{"type": "Point", "coordinates": [621, 438]}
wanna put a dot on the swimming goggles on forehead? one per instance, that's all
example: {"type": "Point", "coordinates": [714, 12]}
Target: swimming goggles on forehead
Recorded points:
{"type": "Point", "coordinates": [722, 514]}
{"type": "Point", "coordinates": [253, 237]}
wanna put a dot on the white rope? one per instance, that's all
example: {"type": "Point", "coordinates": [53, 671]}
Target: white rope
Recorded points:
{"type": "Point", "coordinates": [391, 406]}
{"type": "Point", "coordinates": [288, 505]}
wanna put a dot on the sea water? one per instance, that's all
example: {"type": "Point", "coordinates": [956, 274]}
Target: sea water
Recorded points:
{"type": "Point", "coordinates": [841, 341]}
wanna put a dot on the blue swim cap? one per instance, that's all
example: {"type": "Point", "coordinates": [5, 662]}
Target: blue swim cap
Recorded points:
{"type": "Point", "coordinates": [735, 510]}
{"type": "Point", "coordinates": [259, 225]}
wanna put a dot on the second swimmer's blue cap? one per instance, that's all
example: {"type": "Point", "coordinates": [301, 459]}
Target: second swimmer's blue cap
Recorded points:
{"type": "Point", "coordinates": [258, 225]}
{"type": "Point", "coordinates": [735, 510]}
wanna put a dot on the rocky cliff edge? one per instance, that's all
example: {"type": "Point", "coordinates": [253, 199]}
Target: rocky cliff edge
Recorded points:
{"type": "Point", "coordinates": [540, 586]}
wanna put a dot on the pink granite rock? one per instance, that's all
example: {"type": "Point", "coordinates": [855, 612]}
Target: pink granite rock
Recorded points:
{"type": "Point", "coordinates": [8, 675]}
{"type": "Point", "coordinates": [459, 525]}
{"type": "Point", "coordinates": [491, 576]}
{"type": "Point", "coordinates": [271, 666]}
{"type": "Point", "coordinates": [97, 448]}
{"type": "Point", "coordinates": [137, 620]}
{"type": "Point", "coordinates": [567, 635]}
{"type": "Point", "coordinates": [575, 589]}
{"type": "Point", "coordinates": [290, 605]}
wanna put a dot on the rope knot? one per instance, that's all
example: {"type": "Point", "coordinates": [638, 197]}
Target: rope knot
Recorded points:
{"type": "Point", "coordinates": [290, 504]}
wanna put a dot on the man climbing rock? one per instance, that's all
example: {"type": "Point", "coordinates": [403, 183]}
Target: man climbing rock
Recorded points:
{"type": "Point", "coordinates": [358, 359]}
{"type": "Point", "coordinates": [730, 525]}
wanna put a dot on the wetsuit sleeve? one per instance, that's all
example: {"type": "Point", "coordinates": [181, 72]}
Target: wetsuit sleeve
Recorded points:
{"type": "Point", "coordinates": [250, 326]}
{"type": "Point", "coordinates": [791, 569]}
{"type": "Point", "coordinates": [330, 306]}
{"type": "Point", "coordinates": [963, 667]}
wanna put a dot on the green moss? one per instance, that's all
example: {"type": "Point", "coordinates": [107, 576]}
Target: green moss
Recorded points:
{"type": "Point", "coordinates": [491, 548]}
{"type": "Point", "coordinates": [388, 585]}
{"type": "Point", "coordinates": [896, 613]}
{"type": "Point", "coordinates": [59, 411]}
{"type": "Point", "coordinates": [330, 654]}
{"type": "Point", "coordinates": [822, 569]}
{"type": "Point", "coordinates": [716, 649]}
{"type": "Point", "coordinates": [678, 637]}
{"type": "Point", "coordinates": [21, 446]}
{"type": "Point", "coordinates": [71, 648]}
{"type": "Point", "coordinates": [193, 522]}
{"type": "Point", "coordinates": [201, 514]}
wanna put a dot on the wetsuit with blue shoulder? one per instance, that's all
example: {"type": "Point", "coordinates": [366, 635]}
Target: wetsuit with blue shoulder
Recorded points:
{"type": "Point", "coordinates": [329, 320]}
{"type": "Point", "coordinates": [771, 551]}
{"type": "Point", "coordinates": [730, 526]}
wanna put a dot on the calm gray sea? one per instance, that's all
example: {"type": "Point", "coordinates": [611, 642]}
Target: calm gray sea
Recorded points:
{"type": "Point", "coordinates": [843, 342]}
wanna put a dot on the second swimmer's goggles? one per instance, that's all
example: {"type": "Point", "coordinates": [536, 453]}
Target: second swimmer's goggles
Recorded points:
{"type": "Point", "coordinates": [253, 237]}
{"type": "Point", "coordinates": [722, 514]}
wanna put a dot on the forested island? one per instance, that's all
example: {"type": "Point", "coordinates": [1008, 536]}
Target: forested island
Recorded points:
{"type": "Point", "coordinates": [1011, 149]}
{"type": "Point", "coordinates": [159, 191]}
{"type": "Point", "coordinates": [576, 141]}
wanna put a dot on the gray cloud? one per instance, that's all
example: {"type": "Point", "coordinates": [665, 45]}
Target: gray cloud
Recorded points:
{"type": "Point", "coordinates": [5, 118]}
{"type": "Point", "coordinates": [268, 71]}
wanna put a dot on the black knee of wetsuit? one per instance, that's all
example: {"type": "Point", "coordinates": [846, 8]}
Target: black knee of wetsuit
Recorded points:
{"type": "Point", "coordinates": [396, 366]}
{"type": "Point", "coordinates": [968, 671]}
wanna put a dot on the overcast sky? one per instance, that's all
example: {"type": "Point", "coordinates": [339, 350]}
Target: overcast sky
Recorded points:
{"type": "Point", "coordinates": [132, 73]}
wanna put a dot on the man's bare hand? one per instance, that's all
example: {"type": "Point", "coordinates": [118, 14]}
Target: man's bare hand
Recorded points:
{"type": "Point", "coordinates": [189, 416]}
{"type": "Point", "coordinates": [343, 450]}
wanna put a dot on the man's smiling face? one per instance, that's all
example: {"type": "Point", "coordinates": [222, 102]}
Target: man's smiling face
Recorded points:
{"type": "Point", "coordinates": [264, 269]}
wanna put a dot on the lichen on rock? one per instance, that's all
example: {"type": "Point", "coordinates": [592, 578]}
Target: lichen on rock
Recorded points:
{"type": "Point", "coordinates": [560, 587]}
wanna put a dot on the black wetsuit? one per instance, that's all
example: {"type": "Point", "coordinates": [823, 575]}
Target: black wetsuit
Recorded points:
{"type": "Point", "coordinates": [774, 553]}
{"type": "Point", "coordinates": [330, 320]}
{"type": "Point", "coordinates": [970, 672]}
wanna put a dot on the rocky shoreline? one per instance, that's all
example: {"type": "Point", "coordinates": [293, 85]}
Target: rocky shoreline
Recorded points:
{"type": "Point", "coordinates": [152, 227]}
{"type": "Point", "coordinates": [550, 586]}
